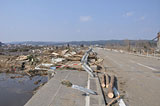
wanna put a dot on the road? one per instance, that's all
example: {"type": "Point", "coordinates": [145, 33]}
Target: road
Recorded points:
{"type": "Point", "coordinates": [138, 77]}
{"type": "Point", "coordinates": [54, 93]}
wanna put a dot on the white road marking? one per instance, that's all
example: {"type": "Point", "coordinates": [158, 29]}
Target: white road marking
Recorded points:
{"type": "Point", "coordinates": [144, 65]}
{"type": "Point", "coordinates": [88, 97]}
{"type": "Point", "coordinates": [59, 89]}
{"type": "Point", "coordinates": [147, 67]}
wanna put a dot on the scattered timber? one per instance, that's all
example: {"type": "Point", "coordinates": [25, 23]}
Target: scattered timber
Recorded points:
{"type": "Point", "coordinates": [103, 81]}
{"type": "Point", "coordinates": [107, 80]}
{"type": "Point", "coordinates": [110, 87]}
{"type": "Point", "coordinates": [115, 99]}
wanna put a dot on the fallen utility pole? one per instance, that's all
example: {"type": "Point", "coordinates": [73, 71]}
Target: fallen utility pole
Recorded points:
{"type": "Point", "coordinates": [107, 80]}
{"type": "Point", "coordinates": [103, 81]}
{"type": "Point", "coordinates": [110, 88]}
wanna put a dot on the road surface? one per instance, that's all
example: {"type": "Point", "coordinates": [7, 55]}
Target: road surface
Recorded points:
{"type": "Point", "coordinates": [138, 77]}
{"type": "Point", "coordinates": [55, 94]}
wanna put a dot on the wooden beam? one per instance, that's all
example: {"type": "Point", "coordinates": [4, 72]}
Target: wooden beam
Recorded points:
{"type": "Point", "coordinates": [110, 88]}
{"type": "Point", "coordinates": [107, 80]}
{"type": "Point", "coordinates": [103, 81]}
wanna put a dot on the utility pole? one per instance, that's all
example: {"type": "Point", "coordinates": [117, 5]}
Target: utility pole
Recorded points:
{"type": "Point", "coordinates": [0, 43]}
{"type": "Point", "coordinates": [158, 40]}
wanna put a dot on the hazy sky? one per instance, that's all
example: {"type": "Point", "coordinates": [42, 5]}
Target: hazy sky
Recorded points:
{"type": "Point", "coordinates": [68, 20]}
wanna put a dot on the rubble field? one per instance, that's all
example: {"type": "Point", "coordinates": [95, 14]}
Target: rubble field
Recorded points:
{"type": "Point", "coordinates": [44, 60]}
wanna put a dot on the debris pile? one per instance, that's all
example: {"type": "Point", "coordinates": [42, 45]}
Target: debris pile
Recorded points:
{"type": "Point", "coordinates": [45, 60]}
{"type": "Point", "coordinates": [41, 60]}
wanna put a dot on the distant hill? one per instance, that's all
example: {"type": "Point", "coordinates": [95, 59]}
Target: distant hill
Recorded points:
{"type": "Point", "coordinates": [1, 43]}
{"type": "Point", "coordinates": [34, 43]}
{"type": "Point", "coordinates": [99, 42]}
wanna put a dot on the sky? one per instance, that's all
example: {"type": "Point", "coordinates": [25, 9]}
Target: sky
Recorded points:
{"type": "Point", "coordinates": [78, 20]}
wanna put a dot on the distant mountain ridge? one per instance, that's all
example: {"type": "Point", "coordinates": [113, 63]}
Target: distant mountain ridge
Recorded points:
{"type": "Point", "coordinates": [1, 43]}
{"type": "Point", "coordinates": [99, 42]}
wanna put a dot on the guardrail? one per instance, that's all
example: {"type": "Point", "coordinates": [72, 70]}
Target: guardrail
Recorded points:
{"type": "Point", "coordinates": [84, 62]}
{"type": "Point", "coordinates": [136, 54]}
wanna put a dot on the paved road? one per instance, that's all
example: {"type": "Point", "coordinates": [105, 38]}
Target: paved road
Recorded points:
{"type": "Point", "coordinates": [138, 77]}
{"type": "Point", "coordinates": [55, 94]}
